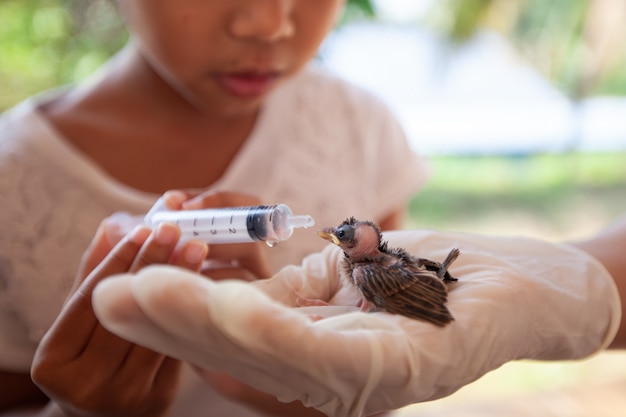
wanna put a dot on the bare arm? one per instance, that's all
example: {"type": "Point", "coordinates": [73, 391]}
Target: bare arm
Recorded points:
{"type": "Point", "coordinates": [609, 247]}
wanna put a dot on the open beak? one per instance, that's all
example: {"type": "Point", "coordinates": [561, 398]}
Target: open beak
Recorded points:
{"type": "Point", "coordinates": [328, 234]}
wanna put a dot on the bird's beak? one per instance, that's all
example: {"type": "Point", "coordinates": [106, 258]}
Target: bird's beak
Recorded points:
{"type": "Point", "coordinates": [329, 235]}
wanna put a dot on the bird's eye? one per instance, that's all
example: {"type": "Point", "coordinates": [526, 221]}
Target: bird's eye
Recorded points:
{"type": "Point", "coordinates": [345, 233]}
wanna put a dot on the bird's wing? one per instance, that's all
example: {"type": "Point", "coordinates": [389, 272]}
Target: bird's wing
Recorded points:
{"type": "Point", "coordinates": [441, 268]}
{"type": "Point", "coordinates": [402, 289]}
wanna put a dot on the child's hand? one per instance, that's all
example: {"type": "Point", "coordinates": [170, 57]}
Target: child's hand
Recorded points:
{"type": "Point", "coordinates": [87, 370]}
{"type": "Point", "coordinates": [243, 260]}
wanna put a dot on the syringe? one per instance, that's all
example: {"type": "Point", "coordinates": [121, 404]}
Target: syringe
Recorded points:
{"type": "Point", "coordinates": [272, 223]}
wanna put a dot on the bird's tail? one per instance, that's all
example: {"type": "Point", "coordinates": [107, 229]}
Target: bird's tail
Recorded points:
{"type": "Point", "coordinates": [454, 253]}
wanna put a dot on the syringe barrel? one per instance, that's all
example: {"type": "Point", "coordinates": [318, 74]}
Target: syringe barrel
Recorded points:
{"type": "Point", "coordinates": [229, 225]}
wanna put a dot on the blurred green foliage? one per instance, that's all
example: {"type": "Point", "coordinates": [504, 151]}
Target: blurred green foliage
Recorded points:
{"type": "Point", "coordinates": [358, 9]}
{"type": "Point", "coordinates": [578, 44]}
{"type": "Point", "coordinates": [550, 195]}
{"type": "Point", "coordinates": [459, 19]}
{"type": "Point", "coordinates": [46, 43]}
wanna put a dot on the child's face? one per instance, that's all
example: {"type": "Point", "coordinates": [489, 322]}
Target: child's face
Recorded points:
{"type": "Point", "coordinates": [226, 55]}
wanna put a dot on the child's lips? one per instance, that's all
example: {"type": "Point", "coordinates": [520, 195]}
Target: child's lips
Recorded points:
{"type": "Point", "coordinates": [247, 84]}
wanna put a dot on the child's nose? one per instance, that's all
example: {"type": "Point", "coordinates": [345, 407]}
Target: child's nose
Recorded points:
{"type": "Point", "coordinates": [266, 20]}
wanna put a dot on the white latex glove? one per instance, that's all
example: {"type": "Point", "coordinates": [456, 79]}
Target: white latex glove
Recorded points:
{"type": "Point", "coordinates": [516, 298]}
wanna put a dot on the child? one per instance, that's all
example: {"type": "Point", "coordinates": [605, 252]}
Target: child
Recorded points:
{"type": "Point", "coordinates": [213, 94]}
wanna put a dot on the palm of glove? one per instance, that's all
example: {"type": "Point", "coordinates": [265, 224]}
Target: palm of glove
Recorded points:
{"type": "Point", "coordinates": [518, 299]}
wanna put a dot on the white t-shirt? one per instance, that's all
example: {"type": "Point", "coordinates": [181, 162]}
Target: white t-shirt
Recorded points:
{"type": "Point", "coordinates": [321, 146]}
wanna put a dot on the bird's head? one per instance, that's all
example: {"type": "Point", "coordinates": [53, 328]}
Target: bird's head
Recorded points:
{"type": "Point", "coordinates": [358, 239]}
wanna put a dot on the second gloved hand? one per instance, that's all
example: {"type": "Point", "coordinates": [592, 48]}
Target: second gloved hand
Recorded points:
{"type": "Point", "coordinates": [516, 299]}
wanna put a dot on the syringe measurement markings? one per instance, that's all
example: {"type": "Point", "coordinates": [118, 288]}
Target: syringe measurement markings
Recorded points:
{"type": "Point", "coordinates": [213, 231]}
{"type": "Point", "coordinates": [232, 230]}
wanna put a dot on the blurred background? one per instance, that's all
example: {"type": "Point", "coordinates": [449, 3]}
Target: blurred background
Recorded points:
{"type": "Point", "coordinates": [519, 104]}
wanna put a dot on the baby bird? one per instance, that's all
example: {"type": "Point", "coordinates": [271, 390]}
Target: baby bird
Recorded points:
{"type": "Point", "coordinates": [391, 278]}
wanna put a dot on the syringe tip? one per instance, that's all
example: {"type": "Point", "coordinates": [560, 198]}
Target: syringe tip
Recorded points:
{"type": "Point", "coordinates": [302, 221]}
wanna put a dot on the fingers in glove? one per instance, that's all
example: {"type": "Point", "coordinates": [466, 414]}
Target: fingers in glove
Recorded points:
{"type": "Point", "coordinates": [240, 392]}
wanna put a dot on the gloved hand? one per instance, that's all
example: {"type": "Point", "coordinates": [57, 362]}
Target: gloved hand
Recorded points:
{"type": "Point", "coordinates": [516, 298]}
